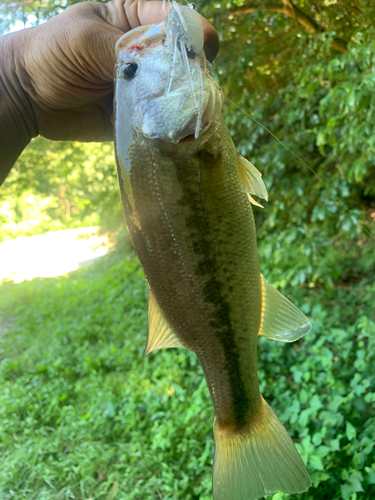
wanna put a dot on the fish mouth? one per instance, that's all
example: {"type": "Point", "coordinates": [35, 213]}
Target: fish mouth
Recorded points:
{"type": "Point", "coordinates": [174, 118]}
{"type": "Point", "coordinates": [191, 137]}
{"type": "Point", "coordinates": [185, 139]}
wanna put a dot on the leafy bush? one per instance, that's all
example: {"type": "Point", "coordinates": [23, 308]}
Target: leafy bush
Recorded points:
{"type": "Point", "coordinates": [317, 226]}
{"type": "Point", "coordinates": [83, 414]}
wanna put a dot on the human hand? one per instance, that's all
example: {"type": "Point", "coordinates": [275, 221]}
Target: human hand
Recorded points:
{"type": "Point", "coordinates": [66, 66]}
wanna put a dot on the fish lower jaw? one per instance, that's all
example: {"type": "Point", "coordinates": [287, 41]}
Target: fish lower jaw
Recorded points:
{"type": "Point", "coordinates": [186, 139]}
{"type": "Point", "coordinates": [191, 137]}
{"type": "Point", "coordinates": [171, 143]}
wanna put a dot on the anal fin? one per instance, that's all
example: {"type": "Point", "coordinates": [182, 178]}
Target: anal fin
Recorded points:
{"type": "Point", "coordinates": [159, 333]}
{"type": "Point", "coordinates": [281, 320]}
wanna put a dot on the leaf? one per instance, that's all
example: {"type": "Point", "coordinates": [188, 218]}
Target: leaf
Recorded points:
{"type": "Point", "coordinates": [335, 445]}
{"type": "Point", "coordinates": [330, 419]}
{"type": "Point", "coordinates": [355, 484]}
{"type": "Point", "coordinates": [351, 432]}
{"type": "Point", "coordinates": [316, 462]}
{"type": "Point", "coordinates": [370, 475]}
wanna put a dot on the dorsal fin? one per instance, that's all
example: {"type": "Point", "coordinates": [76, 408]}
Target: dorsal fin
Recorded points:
{"type": "Point", "coordinates": [159, 333]}
{"type": "Point", "coordinates": [252, 180]}
{"type": "Point", "coordinates": [281, 320]}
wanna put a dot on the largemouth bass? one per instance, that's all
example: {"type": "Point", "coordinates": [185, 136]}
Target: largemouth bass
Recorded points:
{"type": "Point", "coordinates": [187, 201]}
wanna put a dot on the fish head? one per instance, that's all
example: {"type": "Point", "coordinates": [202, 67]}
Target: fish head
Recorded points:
{"type": "Point", "coordinates": [163, 87]}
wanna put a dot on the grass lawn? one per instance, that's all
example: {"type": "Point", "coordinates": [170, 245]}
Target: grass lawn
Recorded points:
{"type": "Point", "coordinates": [84, 415]}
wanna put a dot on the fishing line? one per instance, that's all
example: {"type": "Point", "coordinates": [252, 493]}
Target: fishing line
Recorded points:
{"type": "Point", "coordinates": [305, 165]}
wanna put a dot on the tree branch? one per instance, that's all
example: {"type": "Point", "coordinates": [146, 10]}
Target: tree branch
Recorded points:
{"type": "Point", "coordinates": [294, 12]}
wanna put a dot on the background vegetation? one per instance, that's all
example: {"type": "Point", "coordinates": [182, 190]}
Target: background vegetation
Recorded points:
{"type": "Point", "coordinates": [85, 415]}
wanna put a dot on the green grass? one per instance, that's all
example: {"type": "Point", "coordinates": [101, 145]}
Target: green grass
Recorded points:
{"type": "Point", "coordinates": [84, 415]}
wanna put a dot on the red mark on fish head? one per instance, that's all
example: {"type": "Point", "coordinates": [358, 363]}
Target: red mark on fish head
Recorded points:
{"type": "Point", "coordinates": [137, 48]}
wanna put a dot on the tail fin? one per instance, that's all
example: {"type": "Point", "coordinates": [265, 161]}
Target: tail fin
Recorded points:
{"type": "Point", "coordinates": [258, 461]}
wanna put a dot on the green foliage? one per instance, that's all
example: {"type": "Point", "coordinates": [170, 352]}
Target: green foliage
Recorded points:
{"type": "Point", "coordinates": [83, 414]}
{"type": "Point", "coordinates": [57, 185]}
{"type": "Point", "coordinates": [316, 227]}
{"type": "Point", "coordinates": [346, 134]}
{"type": "Point", "coordinates": [41, 10]}
{"type": "Point", "coordinates": [327, 393]}
{"type": "Point", "coordinates": [260, 48]}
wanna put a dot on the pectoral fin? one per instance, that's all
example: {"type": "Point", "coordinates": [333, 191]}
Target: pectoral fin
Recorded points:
{"type": "Point", "coordinates": [281, 320]}
{"type": "Point", "coordinates": [252, 180]}
{"type": "Point", "coordinates": [159, 334]}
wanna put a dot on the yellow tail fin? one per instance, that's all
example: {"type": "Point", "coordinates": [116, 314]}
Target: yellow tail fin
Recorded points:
{"type": "Point", "coordinates": [257, 461]}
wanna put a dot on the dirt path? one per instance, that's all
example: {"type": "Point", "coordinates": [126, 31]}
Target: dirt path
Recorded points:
{"type": "Point", "coordinates": [50, 254]}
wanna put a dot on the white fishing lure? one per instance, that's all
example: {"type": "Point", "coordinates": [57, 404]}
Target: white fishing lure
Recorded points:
{"type": "Point", "coordinates": [184, 23]}
{"type": "Point", "coordinates": [185, 34]}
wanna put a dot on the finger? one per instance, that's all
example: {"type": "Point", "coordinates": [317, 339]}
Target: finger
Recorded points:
{"type": "Point", "coordinates": [82, 41]}
{"type": "Point", "coordinates": [87, 123]}
{"type": "Point", "coordinates": [126, 15]}
{"type": "Point", "coordinates": [211, 40]}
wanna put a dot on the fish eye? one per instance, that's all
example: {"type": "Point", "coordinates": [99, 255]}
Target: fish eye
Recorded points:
{"type": "Point", "coordinates": [130, 70]}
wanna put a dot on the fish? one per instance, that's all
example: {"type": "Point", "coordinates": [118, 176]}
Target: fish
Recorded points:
{"type": "Point", "coordinates": [187, 197]}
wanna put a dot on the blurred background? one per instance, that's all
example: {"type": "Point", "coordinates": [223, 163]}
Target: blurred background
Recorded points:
{"type": "Point", "coordinates": [83, 414]}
